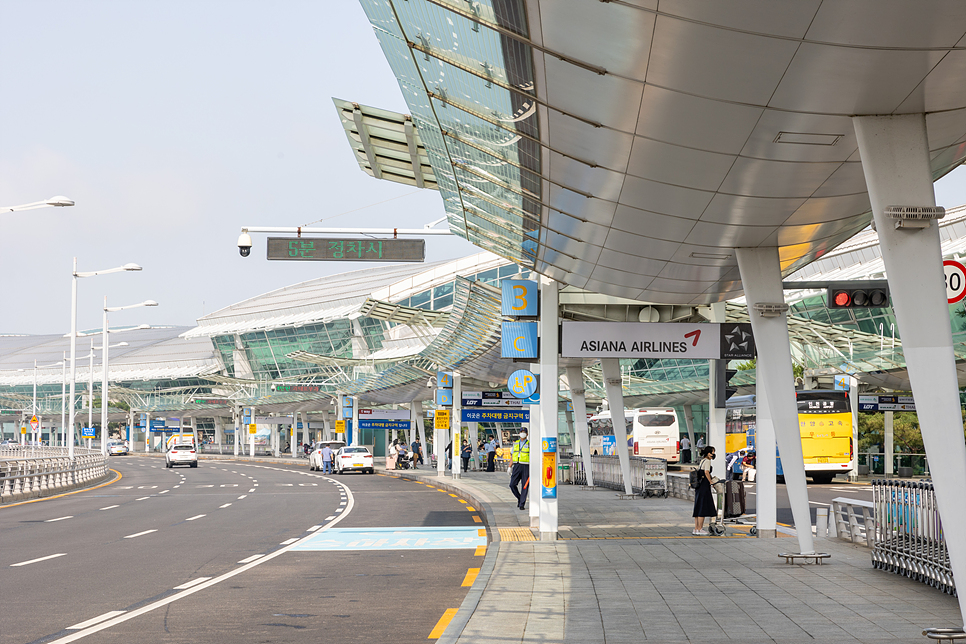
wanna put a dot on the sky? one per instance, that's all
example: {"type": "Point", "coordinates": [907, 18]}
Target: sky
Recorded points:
{"type": "Point", "coordinates": [172, 124]}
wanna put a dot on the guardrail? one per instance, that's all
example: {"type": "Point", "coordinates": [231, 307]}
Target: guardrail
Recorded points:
{"type": "Point", "coordinates": [850, 519]}
{"type": "Point", "coordinates": [909, 537]}
{"type": "Point", "coordinates": [645, 477]}
{"type": "Point", "coordinates": [25, 476]}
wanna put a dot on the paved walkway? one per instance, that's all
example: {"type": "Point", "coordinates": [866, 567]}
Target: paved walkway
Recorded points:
{"type": "Point", "coordinates": [630, 571]}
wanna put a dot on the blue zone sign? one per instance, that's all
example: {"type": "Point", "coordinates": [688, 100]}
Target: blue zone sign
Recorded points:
{"type": "Point", "coordinates": [496, 416]}
{"type": "Point", "coordinates": [518, 340]}
{"type": "Point", "coordinates": [519, 298]}
{"type": "Point", "coordinates": [383, 424]}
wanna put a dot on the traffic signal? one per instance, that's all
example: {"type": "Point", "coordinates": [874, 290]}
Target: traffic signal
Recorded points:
{"type": "Point", "coordinates": [722, 376]}
{"type": "Point", "coordinates": [858, 295]}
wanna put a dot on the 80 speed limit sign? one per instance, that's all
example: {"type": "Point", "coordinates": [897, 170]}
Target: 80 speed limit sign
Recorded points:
{"type": "Point", "coordinates": [955, 280]}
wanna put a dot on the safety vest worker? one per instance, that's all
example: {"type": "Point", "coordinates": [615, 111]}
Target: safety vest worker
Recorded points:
{"type": "Point", "coordinates": [521, 450]}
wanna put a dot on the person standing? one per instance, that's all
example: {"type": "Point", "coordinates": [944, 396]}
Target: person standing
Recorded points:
{"type": "Point", "coordinates": [326, 460]}
{"type": "Point", "coordinates": [703, 495]}
{"type": "Point", "coordinates": [417, 453]}
{"type": "Point", "coordinates": [700, 444]}
{"type": "Point", "coordinates": [685, 449]}
{"type": "Point", "coordinates": [490, 454]}
{"type": "Point", "coordinates": [466, 453]}
{"type": "Point", "coordinates": [520, 456]}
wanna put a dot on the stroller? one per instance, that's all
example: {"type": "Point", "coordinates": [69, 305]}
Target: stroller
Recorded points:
{"type": "Point", "coordinates": [403, 460]}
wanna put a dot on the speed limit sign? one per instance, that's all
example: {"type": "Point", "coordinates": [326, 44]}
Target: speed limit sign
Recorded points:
{"type": "Point", "coordinates": [955, 280]}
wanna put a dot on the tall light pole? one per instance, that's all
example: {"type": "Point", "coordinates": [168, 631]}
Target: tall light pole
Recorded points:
{"type": "Point", "coordinates": [73, 338]}
{"type": "Point", "coordinates": [63, 400]}
{"type": "Point", "coordinates": [104, 362]}
{"type": "Point", "coordinates": [53, 201]}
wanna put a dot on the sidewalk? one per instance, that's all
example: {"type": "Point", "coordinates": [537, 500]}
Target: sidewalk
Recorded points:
{"type": "Point", "coordinates": [627, 571]}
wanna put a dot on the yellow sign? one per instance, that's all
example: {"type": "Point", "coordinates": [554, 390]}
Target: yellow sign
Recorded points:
{"type": "Point", "coordinates": [549, 470]}
{"type": "Point", "coordinates": [252, 428]}
{"type": "Point", "coordinates": [340, 427]}
{"type": "Point", "coordinates": [23, 429]}
{"type": "Point", "coordinates": [441, 419]}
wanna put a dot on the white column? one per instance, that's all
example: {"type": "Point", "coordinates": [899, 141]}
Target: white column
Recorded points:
{"type": "Point", "coordinates": [766, 485]}
{"type": "Point", "coordinates": [326, 427]}
{"type": "Point", "coordinates": [615, 400]}
{"type": "Point", "coordinates": [219, 431]}
{"type": "Point", "coordinates": [236, 418]}
{"type": "Point", "coordinates": [456, 424]}
{"type": "Point", "coordinates": [474, 442]}
{"type": "Point", "coordinates": [716, 417]}
{"type": "Point", "coordinates": [251, 437]}
{"type": "Point", "coordinates": [895, 160]}
{"type": "Point", "coordinates": [147, 432]}
{"type": "Point", "coordinates": [689, 421]}
{"type": "Point", "coordinates": [194, 434]}
{"type": "Point", "coordinates": [854, 403]}
{"type": "Point", "coordinates": [575, 378]}
{"type": "Point", "coordinates": [888, 443]}
{"type": "Point", "coordinates": [761, 279]}
{"type": "Point", "coordinates": [355, 420]}
{"type": "Point", "coordinates": [420, 423]}
{"type": "Point", "coordinates": [533, 429]}
{"type": "Point", "coordinates": [569, 419]}
{"type": "Point", "coordinates": [549, 388]}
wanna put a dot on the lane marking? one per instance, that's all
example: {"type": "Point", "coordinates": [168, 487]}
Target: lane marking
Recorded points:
{"type": "Point", "coordinates": [27, 563]}
{"type": "Point", "coordinates": [96, 620]}
{"type": "Point", "coordinates": [111, 507]}
{"type": "Point", "coordinates": [477, 519]}
{"type": "Point", "coordinates": [250, 559]}
{"type": "Point", "coordinates": [398, 538]}
{"type": "Point", "coordinates": [288, 541]}
{"type": "Point", "coordinates": [139, 534]}
{"type": "Point", "coordinates": [193, 582]}
{"type": "Point", "coordinates": [443, 622]}
{"type": "Point", "coordinates": [252, 490]}
{"type": "Point", "coordinates": [204, 486]}
{"type": "Point", "coordinates": [164, 491]}
{"type": "Point", "coordinates": [142, 498]}
{"type": "Point", "coordinates": [313, 528]}
{"type": "Point", "coordinates": [471, 509]}
{"type": "Point", "coordinates": [176, 486]}
{"type": "Point", "coordinates": [59, 519]}
{"type": "Point", "coordinates": [197, 516]}
{"type": "Point", "coordinates": [470, 577]}
{"type": "Point", "coordinates": [223, 506]}
{"type": "Point", "coordinates": [329, 518]}
{"type": "Point", "coordinates": [480, 551]}
{"type": "Point", "coordinates": [242, 497]}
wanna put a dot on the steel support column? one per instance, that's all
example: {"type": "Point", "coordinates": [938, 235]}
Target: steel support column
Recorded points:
{"type": "Point", "coordinates": [615, 400]}
{"type": "Point", "coordinates": [575, 379]}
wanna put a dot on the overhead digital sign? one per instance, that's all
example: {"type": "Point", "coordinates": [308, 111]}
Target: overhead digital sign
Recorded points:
{"type": "Point", "coordinates": [338, 249]}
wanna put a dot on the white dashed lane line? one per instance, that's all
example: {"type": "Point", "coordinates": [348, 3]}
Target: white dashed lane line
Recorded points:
{"type": "Point", "coordinates": [288, 541]}
{"type": "Point", "coordinates": [111, 507]}
{"type": "Point", "coordinates": [26, 563]}
{"type": "Point", "coordinates": [59, 519]}
{"type": "Point", "coordinates": [242, 497]}
{"type": "Point", "coordinates": [142, 498]}
{"type": "Point", "coordinates": [252, 490]}
{"type": "Point", "coordinates": [139, 534]}
{"type": "Point", "coordinates": [223, 506]}
{"type": "Point", "coordinates": [250, 559]}
{"type": "Point", "coordinates": [197, 516]}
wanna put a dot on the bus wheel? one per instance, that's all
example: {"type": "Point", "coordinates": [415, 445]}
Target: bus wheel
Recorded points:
{"type": "Point", "coordinates": [822, 479]}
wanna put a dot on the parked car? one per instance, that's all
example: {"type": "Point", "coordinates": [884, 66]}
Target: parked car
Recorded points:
{"type": "Point", "coordinates": [354, 459]}
{"type": "Point", "coordinates": [315, 456]}
{"type": "Point", "coordinates": [117, 448]}
{"type": "Point", "coordinates": [181, 455]}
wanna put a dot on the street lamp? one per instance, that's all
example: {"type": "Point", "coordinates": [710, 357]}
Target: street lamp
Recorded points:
{"type": "Point", "coordinates": [107, 310]}
{"type": "Point", "coordinates": [90, 383]}
{"type": "Point", "coordinates": [73, 336]}
{"type": "Point", "coordinates": [59, 200]}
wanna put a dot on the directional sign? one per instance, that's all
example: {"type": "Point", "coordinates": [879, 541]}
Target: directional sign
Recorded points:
{"type": "Point", "coordinates": [34, 423]}
{"type": "Point", "coordinates": [340, 427]}
{"type": "Point", "coordinates": [522, 383]}
{"type": "Point", "coordinates": [955, 280]}
{"type": "Point", "coordinates": [88, 432]}
{"type": "Point", "coordinates": [886, 403]}
{"type": "Point", "coordinates": [635, 340]}
{"type": "Point", "coordinates": [346, 250]}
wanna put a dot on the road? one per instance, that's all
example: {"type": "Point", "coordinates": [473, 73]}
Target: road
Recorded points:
{"type": "Point", "coordinates": [818, 496]}
{"type": "Point", "coordinates": [235, 552]}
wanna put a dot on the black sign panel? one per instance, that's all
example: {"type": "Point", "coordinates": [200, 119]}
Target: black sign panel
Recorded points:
{"type": "Point", "coordinates": [339, 249]}
{"type": "Point", "coordinates": [737, 342]}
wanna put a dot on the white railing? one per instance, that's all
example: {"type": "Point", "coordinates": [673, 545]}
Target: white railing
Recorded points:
{"type": "Point", "coordinates": [27, 474]}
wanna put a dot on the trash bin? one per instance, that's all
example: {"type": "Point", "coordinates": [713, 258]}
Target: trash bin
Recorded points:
{"type": "Point", "coordinates": [563, 473]}
{"type": "Point", "coordinates": [905, 472]}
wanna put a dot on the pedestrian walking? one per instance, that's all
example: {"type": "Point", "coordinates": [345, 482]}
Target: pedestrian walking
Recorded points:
{"type": "Point", "coordinates": [700, 444]}
{"type": "Point", "coordinates": [327, 460]}
{"type": "Point", "coordinates": [703, 499]}
{"type": "Point", "coordinates": [417, 453]}
{"type": "Point", "coordinates": [490, 450]}
{"type": "Point", "coordinates": [685, 449]}
{"type": "Point", "coordinates": [520, 474]}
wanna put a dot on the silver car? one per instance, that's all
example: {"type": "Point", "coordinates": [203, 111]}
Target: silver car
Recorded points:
{"type": "Point", "coordinates": [181, 455]}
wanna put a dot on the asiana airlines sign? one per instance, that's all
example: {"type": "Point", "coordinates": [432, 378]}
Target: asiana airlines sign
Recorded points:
{"type": "Point", "coordinates": [705, 341]}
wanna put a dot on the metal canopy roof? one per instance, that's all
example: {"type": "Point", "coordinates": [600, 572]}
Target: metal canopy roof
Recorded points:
{"type": "Point", "coordinates": [629, 147]}
{"type": "Point", "coordinates": [386, 144]}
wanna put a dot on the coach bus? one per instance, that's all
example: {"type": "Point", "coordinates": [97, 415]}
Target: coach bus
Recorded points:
{"type": "Point", "coordinates": [651, 432]}
{"type": "Point", "coordinates": [824, 424]}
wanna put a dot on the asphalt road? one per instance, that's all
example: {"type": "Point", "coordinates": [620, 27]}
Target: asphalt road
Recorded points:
{"type": "Point", "coordinates": [818, 496]}
{"type": "Point", "coordinates": [106, 565]}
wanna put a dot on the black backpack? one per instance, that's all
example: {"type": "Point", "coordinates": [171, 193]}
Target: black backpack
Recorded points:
{"type": "Point", "coordinates": [695, 478]}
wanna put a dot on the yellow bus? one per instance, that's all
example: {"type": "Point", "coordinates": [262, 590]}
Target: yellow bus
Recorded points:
{"type": "Point", "coordinates": [824, 424]}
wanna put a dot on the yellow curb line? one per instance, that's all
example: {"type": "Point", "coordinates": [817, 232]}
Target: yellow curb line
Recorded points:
{"type": "Point", "coordinates": [57, 496]}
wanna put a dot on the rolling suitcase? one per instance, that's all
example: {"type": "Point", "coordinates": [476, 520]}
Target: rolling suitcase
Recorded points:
{"type": "Point", "coordinates": [734, 499]}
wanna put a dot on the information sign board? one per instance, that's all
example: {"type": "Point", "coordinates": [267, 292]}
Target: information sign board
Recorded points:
{"type": "Point", "coordinates": [310, 389]}
{"type": "Point", "coordinates": [886, 402]}
{"type": "Point", "coordinates": [522, 383]}
{"type": "Point", "coordinates": [88, 432]}
{"type": "Point", "coordinates": [340, 427]}
{"type": "Point", "coordinates": [380, 423]}
{"type": "Point", "coordinates": [341, 249]}
{"type": "Point", "coordinates": [635, 340]}
{"type": "Point", "coordinates": [519, 298]}
{"type": "Point", "coordinates": [441, 420]}
{"type": "Point", "coordinates": [252, 428]}
{"type": "Point", "coordinates": [518, 340]}
{"type": "Point", "coordinates": [496, 416]}
{"type": "Point", "coordinates": [383, 414]}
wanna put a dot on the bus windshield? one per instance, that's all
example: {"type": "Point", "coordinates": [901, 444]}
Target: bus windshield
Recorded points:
{"type": "Point", "coordinates": [656, 420]}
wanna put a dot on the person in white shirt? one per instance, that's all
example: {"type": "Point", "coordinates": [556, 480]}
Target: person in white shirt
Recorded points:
{"type": "Point", "coordinates": [685, 450]}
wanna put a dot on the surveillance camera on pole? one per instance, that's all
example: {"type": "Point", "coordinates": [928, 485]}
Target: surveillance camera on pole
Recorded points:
{"type": "Point", "coordinates": [244, 244]}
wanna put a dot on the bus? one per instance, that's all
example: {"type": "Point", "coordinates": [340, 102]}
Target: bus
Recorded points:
{"type": "Point", "coordinates": [824, 424]}
{"type": "Point", "coordinates": [652, 432]}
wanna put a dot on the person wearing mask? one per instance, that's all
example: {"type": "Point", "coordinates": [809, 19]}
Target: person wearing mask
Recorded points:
{"type": "Point", "coordinates": [490, 451]}
{"type": "Point", "coordinates": [703, 495]}
{"type": "Point", "coordinates": [520, 474]}
{"type": "Point", "coordinates": [466, 453]}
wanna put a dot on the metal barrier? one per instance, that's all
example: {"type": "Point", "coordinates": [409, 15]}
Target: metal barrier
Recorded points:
{"type": "Point", "coordinates": [648, 475]}
{"type": "Point", "coordinates": [26, 478]}
{"type": "Point", "coordinates": [909, 536]}
{"type": "Point", "coordinates": [844, 520]}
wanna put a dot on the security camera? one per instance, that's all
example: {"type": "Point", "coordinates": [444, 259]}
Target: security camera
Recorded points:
{"type": "Point", "coordinates": [244, 244]}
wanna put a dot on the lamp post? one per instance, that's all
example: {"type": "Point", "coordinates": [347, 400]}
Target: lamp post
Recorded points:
{"type": "Point", "coordinates": [90, 383]}
{"type": "Point", "coordinates": [104, 344]}
{"type": "Point", "coordinates": [53, 201]}
{"type": "Point", "coordinates": [63, 400]}
{"type": "Point", "coordinates": [73, 337]}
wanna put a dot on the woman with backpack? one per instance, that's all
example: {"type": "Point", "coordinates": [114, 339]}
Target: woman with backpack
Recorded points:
{"type": "Point", "coordinates": [703, 494]}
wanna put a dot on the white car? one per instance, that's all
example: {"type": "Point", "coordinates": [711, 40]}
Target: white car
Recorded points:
{"type": "Point", "coordinates": [354, 459]}
{"type": "Point", "coordinates": [181, 455]}
{"type": "Point", "coordinates": [315, 456]}
{"type": "Point", "coordinates": [117, 448]}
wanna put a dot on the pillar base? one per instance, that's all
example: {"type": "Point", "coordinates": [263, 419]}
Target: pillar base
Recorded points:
{"type": "Point", "coordinates": [548, 536]}
{"type": "Point", "coordinates": [767, 534]}
{"type": "Point", "coordinates": [535, 522]}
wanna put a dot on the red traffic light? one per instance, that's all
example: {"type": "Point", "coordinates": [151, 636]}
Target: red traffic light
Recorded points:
{"type": "Point", "coordinates": [841, 298]}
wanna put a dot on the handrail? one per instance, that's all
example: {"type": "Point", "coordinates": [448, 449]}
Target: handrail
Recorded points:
{"type": "Point", "coordinates": [25, 478]}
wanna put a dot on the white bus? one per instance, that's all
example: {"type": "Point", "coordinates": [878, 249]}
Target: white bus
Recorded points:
{"type": "Point", "coordinates": [651, 432]}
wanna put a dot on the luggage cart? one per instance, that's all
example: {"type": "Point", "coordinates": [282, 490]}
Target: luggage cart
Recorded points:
{"type": "Point", "coordinates": [655, 477]}
{"type": "Point", "coordinates": [731, 506]}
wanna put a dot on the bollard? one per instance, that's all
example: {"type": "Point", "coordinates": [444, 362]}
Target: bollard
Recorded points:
{"type": "Point", "coordinates": [821, 523]}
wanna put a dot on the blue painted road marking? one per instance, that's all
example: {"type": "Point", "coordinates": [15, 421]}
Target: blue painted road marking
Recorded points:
{"type": "Point", "coordinates": [394, 539]}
